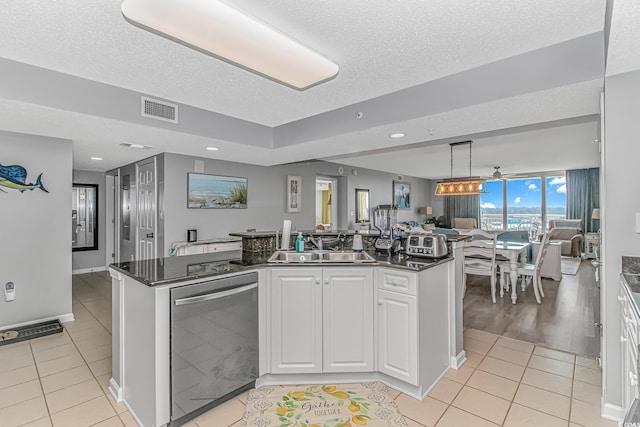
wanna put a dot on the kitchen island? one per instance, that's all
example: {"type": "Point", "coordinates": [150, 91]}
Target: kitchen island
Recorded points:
{"type": "Point", "coordinates": [391, 320]}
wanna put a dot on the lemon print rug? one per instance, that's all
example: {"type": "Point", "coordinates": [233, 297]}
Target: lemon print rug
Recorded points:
{"type": "Point", "coordinates": [341, 405]}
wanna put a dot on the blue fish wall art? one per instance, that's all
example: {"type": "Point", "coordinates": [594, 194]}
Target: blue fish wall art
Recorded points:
{"type": "Point", "coordinates": [14, 177]}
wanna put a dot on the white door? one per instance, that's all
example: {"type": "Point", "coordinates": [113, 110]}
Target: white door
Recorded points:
{"type": "Point", "coordinates": [146, 230]}
{"type": "Point", "coordinates": [348, 319]}
{"type": "Point", "coordinates": [398, 336]}
{"type": "Point", "coordinates": [296, 328]}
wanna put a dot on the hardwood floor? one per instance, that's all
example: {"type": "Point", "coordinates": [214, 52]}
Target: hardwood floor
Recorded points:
{"type": "Point", "coordinates": [564, 321]}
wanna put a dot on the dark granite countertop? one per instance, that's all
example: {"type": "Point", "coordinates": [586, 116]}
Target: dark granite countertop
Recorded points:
{"type": "Point", "coordinates": [267, 233]}
{"type": "Point", "coordinates": [164, 271]}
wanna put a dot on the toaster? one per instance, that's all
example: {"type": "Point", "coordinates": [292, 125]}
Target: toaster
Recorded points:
{"type": "Point", "coordinates": [427, 245]}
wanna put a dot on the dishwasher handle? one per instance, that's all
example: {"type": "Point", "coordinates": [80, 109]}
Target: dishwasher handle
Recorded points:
{"type": "Point", "coordinates": [215, 295]}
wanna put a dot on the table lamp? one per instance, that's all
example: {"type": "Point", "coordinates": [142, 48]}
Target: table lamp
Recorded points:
{"type": "Point", "coordinates": [595, 215]}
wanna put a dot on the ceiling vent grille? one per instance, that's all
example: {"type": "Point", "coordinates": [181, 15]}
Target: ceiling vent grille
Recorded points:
{"type": "Point", "coordinates": [159, 110]}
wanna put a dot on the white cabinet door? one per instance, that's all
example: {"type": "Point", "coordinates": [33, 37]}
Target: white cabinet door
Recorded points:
{"type": "Point", "coordinates": [631, 380]}
{"type": "Point", "coordinates": [348, 319]}
{"type": "Point", "coordinates": [398, 336]}
{"type": "Point", "coordinates": [296, 313]}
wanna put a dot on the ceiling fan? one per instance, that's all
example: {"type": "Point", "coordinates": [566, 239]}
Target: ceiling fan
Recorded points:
{"type": "Point", "coordinates": [499, 175]}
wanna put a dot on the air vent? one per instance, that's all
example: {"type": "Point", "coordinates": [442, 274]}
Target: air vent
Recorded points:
{"type": "Point", "coordinates": [159, 110]}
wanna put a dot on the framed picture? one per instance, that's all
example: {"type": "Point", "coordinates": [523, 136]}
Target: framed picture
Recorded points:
{"type": "Point", "coordinates": [402, 194]}
{"type": "Point", "coordinates": [216, 192]}
{"type": "Point", "coordinates": [362, 206]}
{"type": "Point", "coordinates": [294, 193]}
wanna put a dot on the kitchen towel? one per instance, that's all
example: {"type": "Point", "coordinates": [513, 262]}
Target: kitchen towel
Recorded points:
{"type": "Point", "coordinates": [286, 235]}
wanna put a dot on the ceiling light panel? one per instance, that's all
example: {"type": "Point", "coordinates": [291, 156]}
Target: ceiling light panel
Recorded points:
{"type": "Point", "coordinates": [225, 32]}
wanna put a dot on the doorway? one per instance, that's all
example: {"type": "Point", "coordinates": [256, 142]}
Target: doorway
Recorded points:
{"type": "Point", "coordinates": [326, 203]}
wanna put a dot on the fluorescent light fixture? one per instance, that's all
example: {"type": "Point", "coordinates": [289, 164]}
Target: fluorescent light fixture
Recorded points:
{"type": "Point", "coordinates": [397, 135]}
{"type": "Point", "coordinates": [217, 28]}
{"type": "Point", "coordinates": [96, 158]}
{"type": "Point", "coordinates": [212, 149]}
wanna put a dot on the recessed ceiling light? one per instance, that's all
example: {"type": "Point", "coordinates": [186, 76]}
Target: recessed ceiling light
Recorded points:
{"type": "Point", "coordinates": [397, 135]}
{"type": "Point", "coordinates": [212, 149]}
{"type": "Point", "coordinates": [96, 158]}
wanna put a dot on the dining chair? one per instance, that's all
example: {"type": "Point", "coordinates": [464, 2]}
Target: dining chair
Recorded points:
{"type": "Point", "coordinates": [480, 260]}
{"type": "Point", "coordinates": [476, 233]}
{"type": "Point", "coordinates": [529, 271]}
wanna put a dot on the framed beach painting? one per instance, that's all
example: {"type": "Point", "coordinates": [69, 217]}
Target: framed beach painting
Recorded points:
{"type": "Point", "coordinates": [402, 194]}
{"type": "Point", "coordinates": [294, 193]}
{"type": "Point", "coordinates": [216, 192]}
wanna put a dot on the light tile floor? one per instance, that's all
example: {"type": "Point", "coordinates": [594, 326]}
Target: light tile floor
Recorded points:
{"type": "Point", "coordinates": [61, 380]}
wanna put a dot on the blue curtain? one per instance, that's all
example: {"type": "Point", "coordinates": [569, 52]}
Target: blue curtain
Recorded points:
{"type": "Point", "coordinates": [461, 207]}
{"type": "Point", "coordinates": [583, 195]}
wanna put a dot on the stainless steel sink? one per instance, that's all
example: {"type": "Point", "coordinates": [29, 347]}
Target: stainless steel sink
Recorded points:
{"type": "Point", "coordinates": [283, 257]}
{"type": "Point", "coordinates": [348, 257]}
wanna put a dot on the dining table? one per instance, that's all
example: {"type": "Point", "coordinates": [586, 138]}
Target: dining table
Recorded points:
{"type": "Point", "coordinates": [511, 251]}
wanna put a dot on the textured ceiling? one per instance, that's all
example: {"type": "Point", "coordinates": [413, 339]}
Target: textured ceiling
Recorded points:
{"type": "Point", "coordinates": [381, 46]}
{"type": "Point", "coordinates": [624, 37]}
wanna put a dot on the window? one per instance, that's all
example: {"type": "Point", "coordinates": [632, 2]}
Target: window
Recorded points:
{"type": "Point", "coordinates": [491, 212]}
{"type": "Point", "coordinates": [556, 198]}
{"type": "Point", "coordinates": [523, 204]}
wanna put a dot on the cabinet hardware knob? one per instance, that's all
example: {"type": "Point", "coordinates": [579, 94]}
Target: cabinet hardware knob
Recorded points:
{"type": "Point", "coordinates": [620, 299]}
{"type": "Point", "coordinates": [317, 281]}
{"type": "Point", "coordinates": [379, 302]}
{"type": "Point", "coordinates": [326, 281]}
{"type": "Point", "coordinates": [623, 339]}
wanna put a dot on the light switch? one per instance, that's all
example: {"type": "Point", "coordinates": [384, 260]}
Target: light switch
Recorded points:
{"type": "Point", "coordinates": [9, 291]}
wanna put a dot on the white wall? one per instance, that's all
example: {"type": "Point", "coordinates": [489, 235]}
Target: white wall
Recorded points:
{"type": "Point", "coordinates": [87, 260]}
{"type": "Point", "coordinates": [620, 202]}
{"type": "Point", "coordinates": [266, 200]}
{"type": "Point", "coordinates": [36, 230]}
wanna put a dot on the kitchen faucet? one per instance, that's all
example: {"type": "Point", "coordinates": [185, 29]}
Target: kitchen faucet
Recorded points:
{"type": "Point", "coordinates": [316, 242]}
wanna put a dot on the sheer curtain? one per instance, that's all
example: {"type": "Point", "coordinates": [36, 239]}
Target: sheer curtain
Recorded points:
{"type": "Point", "coordinates": [462, 207]}
{"type": "Point", "coordinates": [583, 195]}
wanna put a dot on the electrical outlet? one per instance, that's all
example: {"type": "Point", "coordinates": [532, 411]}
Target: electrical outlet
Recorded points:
{"type": "Point", "coordinates": [9, 291]}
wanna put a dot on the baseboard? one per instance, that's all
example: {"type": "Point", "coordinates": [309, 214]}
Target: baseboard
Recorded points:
{"type": "Point", "coordinates": [62, 318]}
{"type": "Point", "coordinates": [458, 361]}
{"type": "Point", "coordinates": [612, 412]}
{"type": "Point", "coordinates": [115, 390]}
{"type": "Point", "coordinates": [89, 270]}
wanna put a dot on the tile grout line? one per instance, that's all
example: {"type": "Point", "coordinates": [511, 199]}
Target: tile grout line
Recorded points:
{"type": "Point", "coordinates": [87, 365]}
{"type": "Point", "coordinates": [44, 396]}
{"type": "Point", "coordinates": [512, 401]}
{"type": "Point", "coordinates": [504, 420]}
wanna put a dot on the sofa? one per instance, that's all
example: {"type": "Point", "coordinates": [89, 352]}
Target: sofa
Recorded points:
{"type": "Point", "coordinates": [464, 223]}
{"type": "Point", "coordinates": [569, 233]}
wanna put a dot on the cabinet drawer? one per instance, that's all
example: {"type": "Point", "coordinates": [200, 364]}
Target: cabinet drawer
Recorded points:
{"type": "Point", "coordinates": [397, 281]}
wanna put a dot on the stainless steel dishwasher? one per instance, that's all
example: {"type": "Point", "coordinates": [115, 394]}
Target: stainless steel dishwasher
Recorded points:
{"type": "Point", "coordinates": [214, 343]}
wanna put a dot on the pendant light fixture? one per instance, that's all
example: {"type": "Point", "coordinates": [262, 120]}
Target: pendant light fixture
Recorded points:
{"type": "Point", "coordinates": [461, 186]}
{"type": "Point", "coordinates": [216, 28]}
